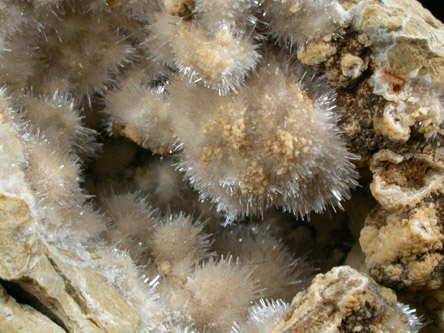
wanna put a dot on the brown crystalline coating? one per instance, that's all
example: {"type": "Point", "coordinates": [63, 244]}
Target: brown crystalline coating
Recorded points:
{"type": "Point", "coordinates": [344, 300]}
{"type": "Point", "coordinates": [358, 108]}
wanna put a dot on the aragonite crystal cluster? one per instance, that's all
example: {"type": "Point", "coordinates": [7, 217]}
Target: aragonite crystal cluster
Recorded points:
{"type": "Point", "coordinates": [161, 161]}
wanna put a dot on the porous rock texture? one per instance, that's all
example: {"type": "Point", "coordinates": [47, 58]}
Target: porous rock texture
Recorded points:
{"type": "Point", "coordinates": [403, 237]}
{"type": "Point", "coordinates": [386, 62]}
{"type": "Point", "coordinates": [389, 69]}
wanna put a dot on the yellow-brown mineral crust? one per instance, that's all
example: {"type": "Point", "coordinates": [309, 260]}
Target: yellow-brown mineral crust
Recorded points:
{"type": "Point", "coordinates": [403, 249]}
{"type": "Point", "coordinates": [359, 107]}
{"type": "Point", "coordinates": [235, 134]}
{"type": "Point", "coordinates": [352, 66]}
{"type": "Point", "coordinates": [343, 58]}
{"type": "Point", "coordinates": [390, 90]}
{"type": "Point", "coordinates": [253, 179]}
{"type": "Point", "coordinates": [316, 53]}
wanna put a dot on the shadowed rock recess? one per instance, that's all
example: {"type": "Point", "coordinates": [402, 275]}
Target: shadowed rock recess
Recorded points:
{"type": "Point", "coordinates": [221, 166]}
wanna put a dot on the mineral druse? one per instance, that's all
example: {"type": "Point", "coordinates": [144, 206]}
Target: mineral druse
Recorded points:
{"type": "Point", "coordinates": [164, 165]}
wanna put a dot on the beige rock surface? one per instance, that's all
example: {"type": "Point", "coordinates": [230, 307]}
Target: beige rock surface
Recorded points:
{"type": "Point", "coordinates": [412, 45]}
{"type": "Point", "coordinates": [78, 297]}
{"type": "Point", "coordinates": [344, 300]}
{"type": "Point", "coordinates": [20, 318]}
{"type": "Point", "coordinates": [403, 237]}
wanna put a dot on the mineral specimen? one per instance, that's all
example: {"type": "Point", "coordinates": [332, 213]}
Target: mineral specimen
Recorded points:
{"type": "Point", "coordinates": [259, 105]}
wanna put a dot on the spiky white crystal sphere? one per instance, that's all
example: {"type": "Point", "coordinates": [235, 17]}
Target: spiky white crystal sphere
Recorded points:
{"type": "Point", "coordinates": [273, 144]}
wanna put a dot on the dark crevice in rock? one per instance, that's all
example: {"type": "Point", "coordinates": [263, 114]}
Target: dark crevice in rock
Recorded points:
{"type": "Point", "coordinates": [361, 320]}
{"type": "Point", "coordinates": [72, 292]}
{"type": "Point", "coordinates": [22, 296]}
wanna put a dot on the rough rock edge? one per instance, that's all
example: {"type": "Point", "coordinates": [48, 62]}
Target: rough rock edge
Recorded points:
{"type": "Point", "coordinates": [15, 317]}
{"type": "Point", "coordinates": [344, 300]}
